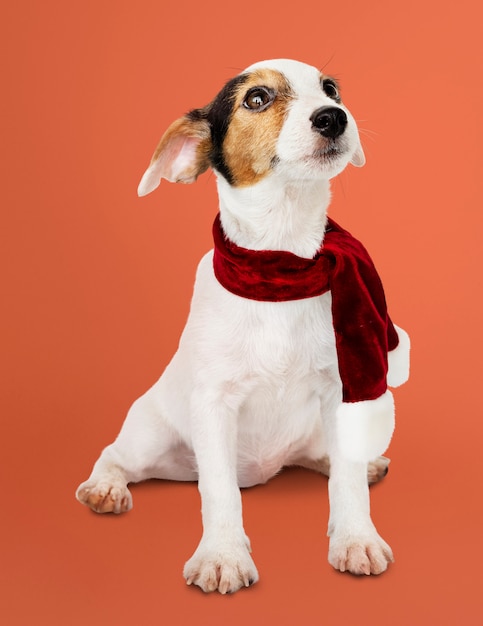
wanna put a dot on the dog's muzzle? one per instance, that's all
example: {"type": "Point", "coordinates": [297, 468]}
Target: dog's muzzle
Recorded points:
{"type": "Point", "coordinates": [329, 121]}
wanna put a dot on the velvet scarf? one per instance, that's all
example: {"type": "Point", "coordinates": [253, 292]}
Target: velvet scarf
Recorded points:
{"type": "Point", "coordinates": [364, 332]}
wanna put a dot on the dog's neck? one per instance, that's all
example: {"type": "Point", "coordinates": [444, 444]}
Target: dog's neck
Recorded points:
{"type": "Point", "coordinates": [274, 215]}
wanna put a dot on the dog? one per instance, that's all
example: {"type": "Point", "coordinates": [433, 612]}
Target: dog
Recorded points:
{"type": "Point", "coordinates": [257, 382]}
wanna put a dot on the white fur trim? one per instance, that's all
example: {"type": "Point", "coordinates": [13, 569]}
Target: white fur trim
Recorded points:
{"type": "Point", "coordinates": [398, 360]}
{"type": "Point", "coordinates": [364, 429]}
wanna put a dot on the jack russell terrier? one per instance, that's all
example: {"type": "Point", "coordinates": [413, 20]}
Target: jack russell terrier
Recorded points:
{"type": "Point", "coordinates": [288, 349]}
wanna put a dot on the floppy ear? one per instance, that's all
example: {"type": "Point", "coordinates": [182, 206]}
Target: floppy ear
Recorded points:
{"type": "Point", "coordinates": [358, 158]}
{"type": "Point", "coordinates": [181, 155]}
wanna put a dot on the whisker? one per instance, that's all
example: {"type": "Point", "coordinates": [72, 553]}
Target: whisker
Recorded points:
{"type": "Point", "coordinates": [327, 63]}
{"type": "Point", "coordinates": [369, 134]}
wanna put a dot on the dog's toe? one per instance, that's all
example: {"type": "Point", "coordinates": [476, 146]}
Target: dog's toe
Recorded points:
{"type": "Point", "coordinates": [360, 556]}
{"type": "Point", "coordinates": [224, 570]}
{"type": "Point", "coordinates": [105, 497]}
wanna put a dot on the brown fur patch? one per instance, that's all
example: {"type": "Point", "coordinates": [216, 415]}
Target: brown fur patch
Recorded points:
{"type": "Point", "coordinates": [250, 142]}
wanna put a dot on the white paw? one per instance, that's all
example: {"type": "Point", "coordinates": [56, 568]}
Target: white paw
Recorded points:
{"type": "Point", "coordinates": [105, 496]}
{"type": "Point", "coordinates": [224, 568]}
{"type": "Point", "coordinates": [366, 554]}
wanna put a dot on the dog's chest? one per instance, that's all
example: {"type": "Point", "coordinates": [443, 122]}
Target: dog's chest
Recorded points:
{"type": "Point", "coordinates": [274, 340]}
{"type": "Point", "coordinates": [289, 339]}
{"type": "Point", "coordinates": [290, 369]}
{"type": "Point", "coordinates": [275, 362]}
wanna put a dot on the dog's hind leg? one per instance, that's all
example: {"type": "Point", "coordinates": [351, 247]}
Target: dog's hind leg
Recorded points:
{"type": "Point", "coordinates": [376, 470]}
{"type": "Point", "coordinates": [106, 489]}
{"type": "Point", "coordinates": [147, 447]}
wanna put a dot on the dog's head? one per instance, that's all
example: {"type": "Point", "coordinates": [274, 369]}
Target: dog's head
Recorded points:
{"type": "Point", "coordinates": [277, 115]}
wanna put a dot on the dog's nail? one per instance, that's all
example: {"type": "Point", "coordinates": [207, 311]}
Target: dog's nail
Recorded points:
{"type": "Point", "coordinates": [386, 471]}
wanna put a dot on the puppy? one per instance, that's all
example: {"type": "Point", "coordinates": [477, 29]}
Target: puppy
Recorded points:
{"type": "Point", "coordinates": [270, 371]}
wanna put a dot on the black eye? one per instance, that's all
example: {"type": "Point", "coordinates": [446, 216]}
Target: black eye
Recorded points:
{"type": "Point", "coordinates": [330, 89]}
{"type": "Point", "coordinates": [258, 99]}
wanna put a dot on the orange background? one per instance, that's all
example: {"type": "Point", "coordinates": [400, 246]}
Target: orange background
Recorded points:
{"type": "Point", "coordinates": [96, 286]}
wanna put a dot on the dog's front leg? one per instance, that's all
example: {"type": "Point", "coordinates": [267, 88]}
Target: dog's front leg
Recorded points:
{"type": "Point", "coordinates": [355, 545]}
{"type": "Point", "coordinates": [222, 560]}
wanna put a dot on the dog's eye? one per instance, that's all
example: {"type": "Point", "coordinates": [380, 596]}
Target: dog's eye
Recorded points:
{"type": "Point", "coordinates": [258, 98]}
{"type": "Point", "coordinates": [330, 89]}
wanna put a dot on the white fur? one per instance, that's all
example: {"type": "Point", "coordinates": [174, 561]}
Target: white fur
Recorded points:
{"type": "Point", "coordinates": [398, 360]}
{"type": "Point", "coordinates": [364, 429]}
{"type": "Point", "coordinates": [255, 385]}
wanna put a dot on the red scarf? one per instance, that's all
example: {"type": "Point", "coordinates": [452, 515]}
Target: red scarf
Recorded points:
{"type": "Point", "coordinates": [363, 330]}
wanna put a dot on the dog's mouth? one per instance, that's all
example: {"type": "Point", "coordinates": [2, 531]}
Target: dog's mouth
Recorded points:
{"type": "Point", "coordinates": [331, 151]}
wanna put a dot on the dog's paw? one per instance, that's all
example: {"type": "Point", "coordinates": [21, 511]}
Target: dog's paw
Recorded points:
{"type": "Point", "coordinates": [105, 497]}
{"type": "Point", "coordinates": [364, 555]}
{"type": "Point", "coordinates": [226, 569]}
{"type": "Point", "coordinates": [377, 469]}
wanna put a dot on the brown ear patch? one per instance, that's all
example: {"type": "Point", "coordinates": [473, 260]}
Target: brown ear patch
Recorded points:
{"type": "Point", "coordinates": [182, 132]}
{"type": "Point", "coordinates": [181, 155]}
{"type": "Point", "coordinates": [249, 146]}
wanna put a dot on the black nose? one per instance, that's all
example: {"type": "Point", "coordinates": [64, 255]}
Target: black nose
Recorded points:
{"type": "Point", "coordinates": [329, 121]}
